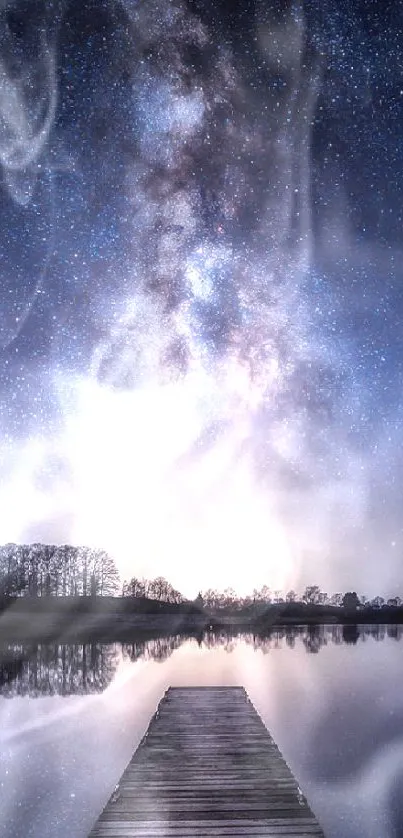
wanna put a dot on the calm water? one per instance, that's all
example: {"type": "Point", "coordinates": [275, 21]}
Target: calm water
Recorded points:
{"type": "Point", "coordinates": [71, 717]}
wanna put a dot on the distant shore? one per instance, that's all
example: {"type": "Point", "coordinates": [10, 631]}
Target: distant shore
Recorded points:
{"type": "Point", "coordinates": [42, 619]}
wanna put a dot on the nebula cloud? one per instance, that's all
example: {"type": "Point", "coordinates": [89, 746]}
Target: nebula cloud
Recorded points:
{"type": "Point", "coordinates": [181, 378]}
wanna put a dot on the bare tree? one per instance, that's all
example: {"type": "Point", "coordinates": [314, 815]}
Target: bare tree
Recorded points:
{"type": "Point", "coordinates": [311, 594]}
{"type": "Point", "coordinates": [336, 599]}
{"type": "Point", "coordinates": [378, 602]}
{"type": "Point", "coordinates": [135, 587]}
{"type": "Point", "coordinates": [105, 573]}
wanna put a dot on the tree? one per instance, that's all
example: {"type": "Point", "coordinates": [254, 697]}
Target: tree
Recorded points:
{"type": "Point", "coordinates": [159, 588]}
{"type": "Point", "coordinates": [93, 585]}
{"type": "Point", "coordinates": [378, 602]}
{"type": "Point", "coordinates": [212, 598]}
{"type": "Point", "coordinates": [46, 570]}
{"type": "Point", "coordinates": [228, 598]}
{"type": "Point", "coordinates": [336, 599]}
{"type": "Point", "coordinates": [311, 594]}
{"type": "Point", "coordinates": [351, 601]}
{"type": "Point", "coordinates": [105, 571]}
{"type": "Point", "coordinates": [394, 602]}
{"type": "Point", "coordinates": [290, 596]}
{"type": "Point", "coordinates": [262, 594]}
{"type": "Point", "coordinates": [199, 600]}
{"type": "Point", "coordinates": [135, 587]}
{"type": "Point", "coordinates": [11, 581]}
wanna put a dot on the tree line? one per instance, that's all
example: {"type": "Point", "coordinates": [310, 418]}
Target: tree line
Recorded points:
{"type": "Point", "coordinates": [56, 570]}
{"type": "Point", "coordinates": [217, 600]}
{"type": "Point", "coordinates": [39, 570]}
{"type": "Point", "coordinates": [158, 588]}
{"type": "Point", "coordinates": [312, 595]}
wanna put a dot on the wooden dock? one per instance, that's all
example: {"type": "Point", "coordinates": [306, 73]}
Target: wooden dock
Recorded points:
{"type": "Point", "coordinates": [207, 766]}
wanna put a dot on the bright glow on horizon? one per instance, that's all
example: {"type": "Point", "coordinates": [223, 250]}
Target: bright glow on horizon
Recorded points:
{"type": "Point", "coordinates": [148, 478]}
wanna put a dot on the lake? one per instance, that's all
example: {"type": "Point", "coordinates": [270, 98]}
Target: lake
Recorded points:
{"type": "Point", "coordinates": [72, 715]}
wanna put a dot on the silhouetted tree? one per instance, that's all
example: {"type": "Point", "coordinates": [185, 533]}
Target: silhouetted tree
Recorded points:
{"type": "Point", "coordinates": [378, 602]}
{"type": "Point", "coordinates": [158, 588]}
{"type": "Point", "coordinates": [351, 601]}
{"type": "Point", "coordinates": [104, 570]}
{"type": "Point", "coordinates": [48, 570]}
{"type": "Point", "coordinates": [211, 598]}
{"type": "Point", "coordinates": [336, 599]}
{"type": "Point", "coordinates": [394, 602]}
{"type": "Point", "coordinates": [10, 572]}
{"type": "Point", "coordinates": [135, 587]}
{"type": "Point", "coordinates": [228, 599]}
{"type": "Point", "coordinates": [262, 594]}
{"type": "Point", "coordinates": [311, 594]}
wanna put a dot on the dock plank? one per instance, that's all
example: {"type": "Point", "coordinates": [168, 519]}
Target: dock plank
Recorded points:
{"type": "Point", "coordinates": [207, 766]}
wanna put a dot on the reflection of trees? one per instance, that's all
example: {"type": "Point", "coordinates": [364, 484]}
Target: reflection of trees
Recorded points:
{"type": "Point", "coordinates": [221, 639]}
{"type": "Point", "coordinates": [56, 669]}
{"type": "Point", "coordinates": [313, 637]}
{"type": "Point", "coordinates": [377, 631]}
{"type": "Point", "coordinates": [350, 633]}
{"type": "Point", "coordinates": [395, 632]}
{"type": "Point", "coordinates": [73, 669]}
{"type": "Point", "coordinates": [88, 668]}
{"type": "Point", "coordinates": [157, 649]}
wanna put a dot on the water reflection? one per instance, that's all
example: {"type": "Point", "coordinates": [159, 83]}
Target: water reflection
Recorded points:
{"type": "Point", "coordinates": [330, 695]}
{"type": "Point", "coordinates": [56, 669]}
{"type": "Point", "coordinates": [88, 668]}
{"type": "Point", "coordinates": [157, 649]}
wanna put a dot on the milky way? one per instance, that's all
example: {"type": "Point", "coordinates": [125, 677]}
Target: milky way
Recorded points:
{"type": "Point", "coordinates": [200, 287]}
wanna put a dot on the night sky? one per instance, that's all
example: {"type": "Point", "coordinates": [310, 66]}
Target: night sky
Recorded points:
{"type": "Point", "coordinates": [201, 287]}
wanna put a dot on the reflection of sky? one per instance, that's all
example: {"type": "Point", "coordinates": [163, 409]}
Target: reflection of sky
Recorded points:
{"type": "Point", "coordinates": [340, 735]}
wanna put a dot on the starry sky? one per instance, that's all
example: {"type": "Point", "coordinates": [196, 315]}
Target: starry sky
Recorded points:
{"type": "Point", "coordinates": [201, 287]}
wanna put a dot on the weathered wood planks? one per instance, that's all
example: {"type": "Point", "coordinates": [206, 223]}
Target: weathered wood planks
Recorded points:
{"type": "Point", "coordinates": [207, 766]}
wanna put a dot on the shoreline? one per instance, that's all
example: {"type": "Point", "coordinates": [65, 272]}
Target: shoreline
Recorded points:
{"type": "Point", "coordinates": [40, 620]}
